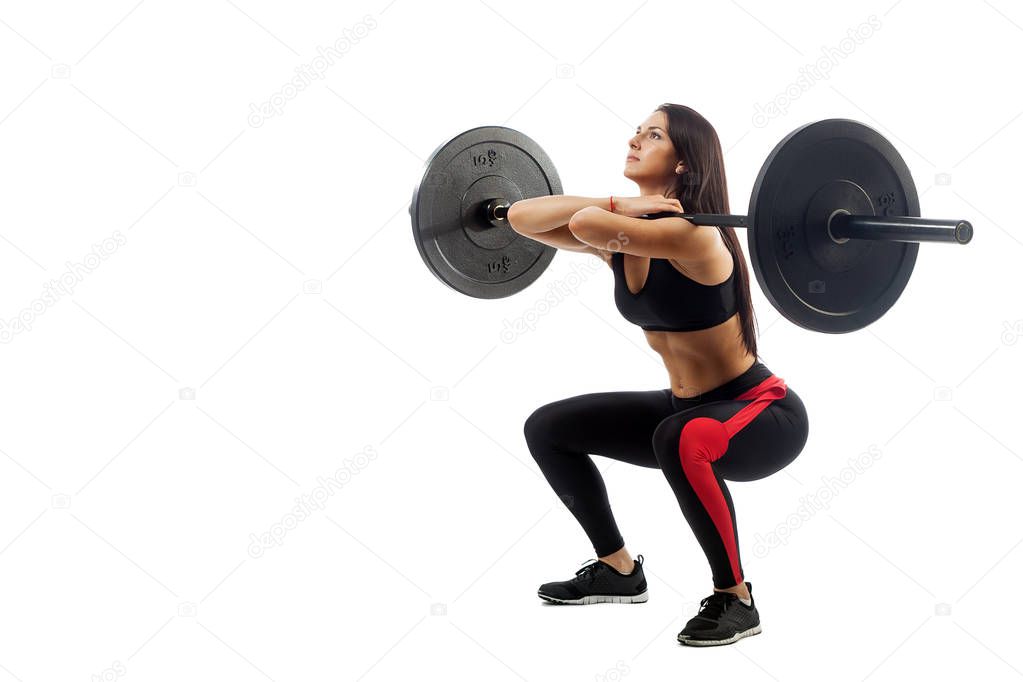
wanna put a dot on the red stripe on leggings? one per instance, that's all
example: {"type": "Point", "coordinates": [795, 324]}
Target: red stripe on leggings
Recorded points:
{"type": "Point", "coordinates": [704, 440]}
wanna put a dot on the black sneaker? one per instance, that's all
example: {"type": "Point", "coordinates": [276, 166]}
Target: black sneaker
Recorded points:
{"type": "Point", "coordinates": [722, 619]}
{"type": "Point", "coordinates": [596, 583]}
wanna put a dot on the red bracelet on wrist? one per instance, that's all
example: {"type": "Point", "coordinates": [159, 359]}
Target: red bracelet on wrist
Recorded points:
{"type": "Point", "coordinates": [612, 204]}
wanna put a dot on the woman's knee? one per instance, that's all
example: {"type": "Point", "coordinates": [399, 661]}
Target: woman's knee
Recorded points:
{"type": "Point", "coordinates": [800, 418]}
{"type": "Point", "coordinates": [703, 439]}
{"type": "Point", "coordinates": [688, 440]}
{"type": "Point", "coordinates": [665, 441]}
{"type": "Point", "coordinates": [540, 425]}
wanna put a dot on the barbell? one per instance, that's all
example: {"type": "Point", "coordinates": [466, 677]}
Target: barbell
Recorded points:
{"type": "Point", "coordinates": [833, 228]}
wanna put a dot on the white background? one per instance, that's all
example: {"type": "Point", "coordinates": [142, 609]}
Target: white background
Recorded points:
{"type": "Point", "coordinates": [265, 322]}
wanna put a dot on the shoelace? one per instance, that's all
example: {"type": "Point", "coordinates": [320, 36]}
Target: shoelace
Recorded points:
{"type": "Point", "coordinates": [588, 569]}
{"type": "Point", "coordinates": [713, 607]}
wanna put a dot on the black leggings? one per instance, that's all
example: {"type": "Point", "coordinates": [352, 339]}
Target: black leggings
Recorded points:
{"type": "Point", "coordinates": [695, 442]}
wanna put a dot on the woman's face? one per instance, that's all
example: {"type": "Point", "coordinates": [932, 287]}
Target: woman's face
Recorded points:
{"type": "Point", "coordinates": [651, 158]}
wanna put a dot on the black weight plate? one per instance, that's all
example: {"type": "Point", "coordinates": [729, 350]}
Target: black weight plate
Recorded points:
{"type": "Point", "coordinates": [451, 230]}
{"type": "Point", "coordinates": [831, 165]}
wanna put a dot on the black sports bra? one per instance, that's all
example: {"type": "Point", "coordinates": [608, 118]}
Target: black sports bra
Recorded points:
{"type": "Point", "coordinates": [669, 301]}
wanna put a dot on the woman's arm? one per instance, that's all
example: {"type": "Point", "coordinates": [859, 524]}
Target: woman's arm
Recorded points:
{"type": "Point", "coordinates": [537, 218]}
{"type": "Point", "coordinates": [560, 238]}
{"type": "Point", "coordinates": [673, 237]}
{"type": "Point", "coordinates": [543, 214]}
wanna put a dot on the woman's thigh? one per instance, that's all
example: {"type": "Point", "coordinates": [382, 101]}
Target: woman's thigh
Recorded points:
{"type": "Point", "coordinates": [767, 444]}
{"type": "Point", "coordinates": [614, 424]}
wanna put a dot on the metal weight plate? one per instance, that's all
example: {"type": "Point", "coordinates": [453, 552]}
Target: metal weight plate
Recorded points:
{"type": "Point", "coordinates": [454, 236]}
{"type": "Point", "coordinates": [823, 167]}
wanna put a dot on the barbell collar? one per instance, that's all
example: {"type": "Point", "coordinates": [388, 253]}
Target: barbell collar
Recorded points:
{"type": "Point", "coordinates": [496, 212]}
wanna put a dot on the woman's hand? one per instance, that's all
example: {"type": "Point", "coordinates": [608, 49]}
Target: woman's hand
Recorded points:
{"type": "Point", "coordinates": [650, 203]}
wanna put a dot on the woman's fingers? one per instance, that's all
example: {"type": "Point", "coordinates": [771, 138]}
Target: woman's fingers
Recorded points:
{"type": "Point", "coordinates": [652, 203]}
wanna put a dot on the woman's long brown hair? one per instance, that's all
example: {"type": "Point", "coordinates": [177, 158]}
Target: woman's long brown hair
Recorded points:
{"type": "Point", "coordinates": [702, 188]}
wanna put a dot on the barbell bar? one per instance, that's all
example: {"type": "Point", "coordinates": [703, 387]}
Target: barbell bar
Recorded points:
{"type": "Point", "coordinates": [841, 225]}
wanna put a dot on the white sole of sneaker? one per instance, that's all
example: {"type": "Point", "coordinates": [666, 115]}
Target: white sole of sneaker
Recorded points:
{"type": "Point", "coordinates": [755, 630]}
{"type": "Point", "coordinates": [597, 599]}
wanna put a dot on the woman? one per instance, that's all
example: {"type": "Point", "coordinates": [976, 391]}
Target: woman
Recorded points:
{"type": "Point", "coordinates": [725, 416]}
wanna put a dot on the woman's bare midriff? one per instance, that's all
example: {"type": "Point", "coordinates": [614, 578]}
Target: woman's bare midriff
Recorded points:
{"type": "Point", "coordinates": [702, 360]}
{"type": "Point", "coordinates": [697, 361]}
